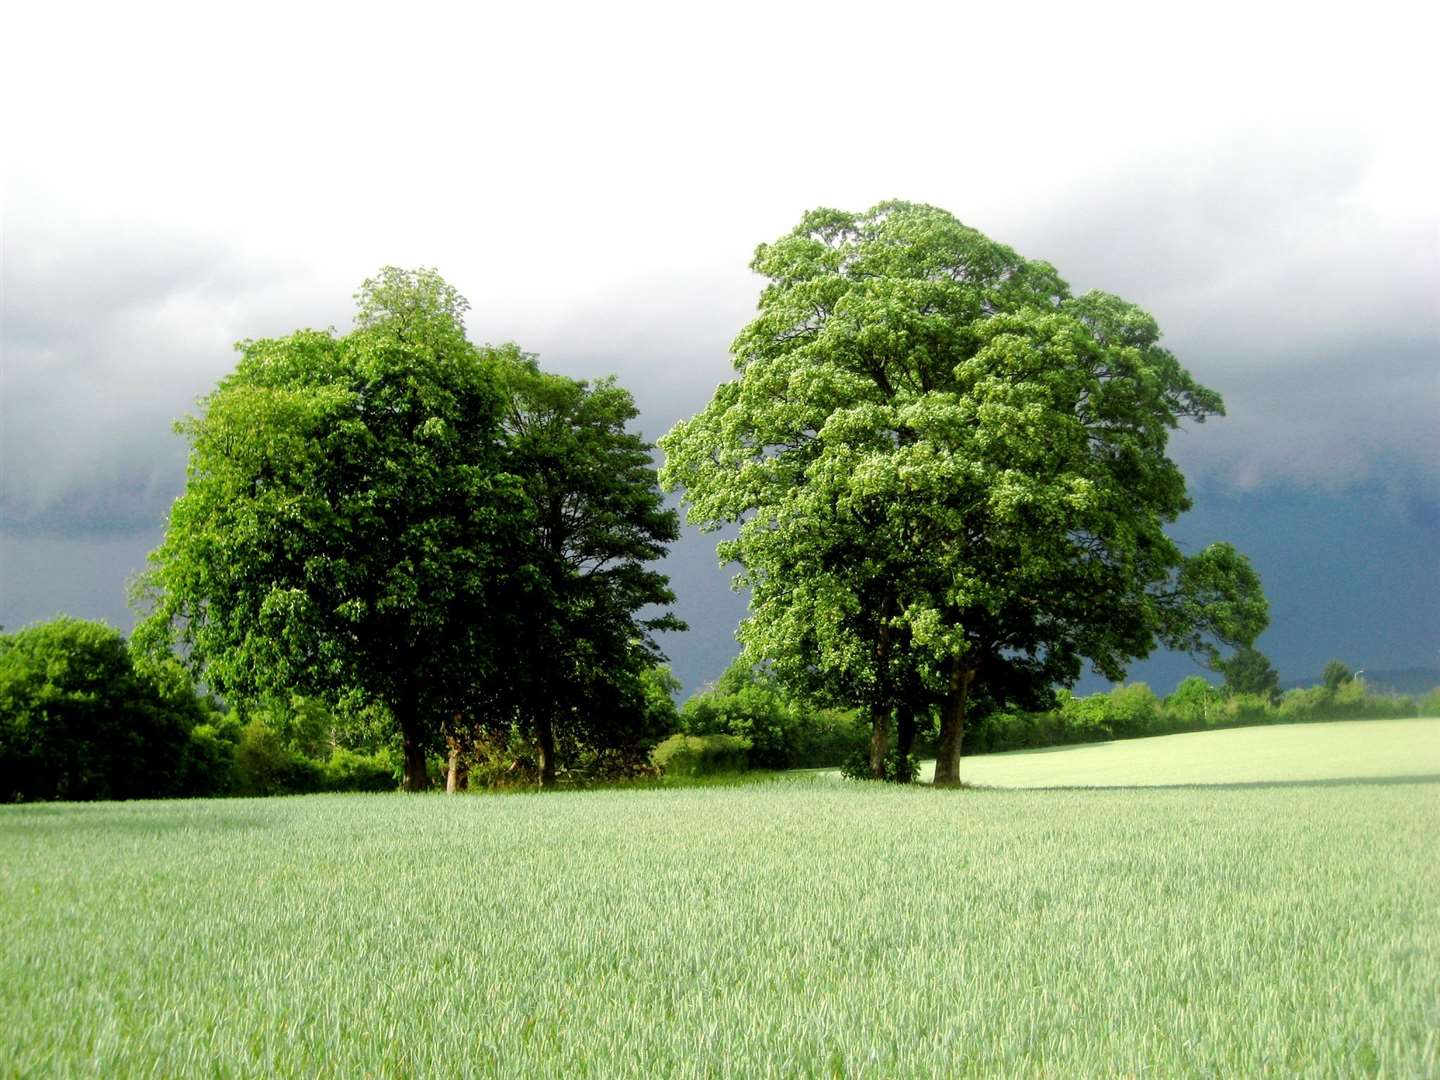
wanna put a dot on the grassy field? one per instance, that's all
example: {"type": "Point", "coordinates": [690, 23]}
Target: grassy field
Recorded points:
{"type": "Point", "coordinates": [1289, 753]}
{"type": "Point", "coordinates": [797, 928]}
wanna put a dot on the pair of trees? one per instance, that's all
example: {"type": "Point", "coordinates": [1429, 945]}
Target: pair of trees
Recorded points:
{"type": "Point", "coordinates": [398, 517]}
{"type": "Point", "coordinates": [950, 477]}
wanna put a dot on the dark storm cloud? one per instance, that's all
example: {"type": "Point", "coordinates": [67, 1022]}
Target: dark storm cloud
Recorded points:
{"type": "Point", "coordinates": [1278, 283]}
{"type": "Point", "coordinates": [1315, 319]}
{"type": "Point", "coordinates": [107, 339]}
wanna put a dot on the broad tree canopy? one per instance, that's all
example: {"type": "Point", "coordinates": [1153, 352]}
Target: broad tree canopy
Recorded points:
{"type": "Point", "coordinates": [346, 521]}
{"type": "Point", "coordinates": [950, 474]}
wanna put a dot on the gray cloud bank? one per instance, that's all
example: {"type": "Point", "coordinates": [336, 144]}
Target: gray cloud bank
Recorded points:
{"type": "Point", "coordinates": [1275, 276]}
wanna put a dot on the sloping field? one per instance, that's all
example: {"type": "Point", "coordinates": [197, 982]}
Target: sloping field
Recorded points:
{"type": "Point", "coordinates": [800, 928]}
{"type": "Point", "coordinates": [1289, 753]}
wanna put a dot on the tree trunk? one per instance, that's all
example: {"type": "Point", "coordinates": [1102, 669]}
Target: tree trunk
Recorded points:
{"type": "Point", "coordinates": [880, 708]}
{"type": "Point", "coordinates": [545, 733]}
{"type": "Point", "coordinates": [457, 777]}
{"type": "Point", "coordinates": [952, 727]}
{"type": "Point", "coordinates": [879, 739]}
{"type": "Point", "coordinates": [416, 777]}
{"type": "Point", "coordinates": [904, 741]}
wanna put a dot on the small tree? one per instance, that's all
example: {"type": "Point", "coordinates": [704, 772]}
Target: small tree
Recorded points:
{"type": "Point", "coordinates": [1248, 671]}
{"type": "Point", "coordinates": [1335, 675]}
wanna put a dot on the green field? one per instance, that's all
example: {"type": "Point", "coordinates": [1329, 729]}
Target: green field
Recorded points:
{"type": "Point", "coordinates": [801, 927]}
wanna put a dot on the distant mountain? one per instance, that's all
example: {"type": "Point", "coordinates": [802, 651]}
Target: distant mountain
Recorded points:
{"type": "Point", "coordinates": [1412, 681]}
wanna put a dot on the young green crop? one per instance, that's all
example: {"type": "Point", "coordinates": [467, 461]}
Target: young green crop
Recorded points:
{"type": "Point", "coordinates": [780, 929]}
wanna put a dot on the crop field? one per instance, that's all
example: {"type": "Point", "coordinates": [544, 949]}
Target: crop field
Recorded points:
{"type": "Point", "coordinates": [803, 927]}
{"type": "Point", "coordinates": [1284, 753]}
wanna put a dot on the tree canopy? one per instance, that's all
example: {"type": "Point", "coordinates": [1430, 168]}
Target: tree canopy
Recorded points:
{"type": "Point", "coordinates": [1249, 671]}
{"type": "Point", "coordinates": [950, 475]}
{"type": "Point", "coordinates": [364, 522]}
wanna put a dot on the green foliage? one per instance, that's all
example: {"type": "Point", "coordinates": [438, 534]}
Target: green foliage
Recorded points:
{"type": "Point", "coordinates": [346, 770]}
{"type": "Point", "coordinates": [898, 770]}
{"type": "Point", "coordinates": [1133, 711]}
{"type": "Point", "coordinates": [209, 766]}
{"type": "Point", "coordinates": [80, 720]}
{"type": "Point", "coordinates": [658, 687]}
{"type": "Point", "coordinates": [1245, 709]}
{"type": "Point", "coordinates": [1429, 705]}
{"type": "Point", "coordinates": [266, 766]}
{"type": "Point", "coordinates": [345, 520]}
{"type": "Point", "coordinates": [587, 601]}
{"type": "Point", "coordinates": [399, 525]}
{"type": "Point", "coordinates": [1194, 704]}
{"type": "Point", "coordinates": [701, 755]}
{"type": "Point", "coordinates": [784, 733]}
{"type": "Point", "coordinates": [950, 474]}
{"type": "Point", "coordinates": [1248, 672]}
{"type": "Point", "coordinates": [1336, 674]}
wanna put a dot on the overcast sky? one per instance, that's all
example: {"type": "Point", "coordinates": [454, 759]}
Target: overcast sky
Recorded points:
{"type": "Point", "coordinates": [1262, 180]}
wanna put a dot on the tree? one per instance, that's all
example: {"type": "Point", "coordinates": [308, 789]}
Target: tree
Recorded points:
{"type": "Point", "coordinates": [950, 476]}
{"type": "Point", "coordinates": [79, 720]}
{"type": "Point", "coordinates": [1336, 674]}
{"type": "Point", "coordinates": [346, 526]}
{"type": "Point", "coordinates": [1248, 671]}
{"type": "Point", "coordinates": [580, 651]}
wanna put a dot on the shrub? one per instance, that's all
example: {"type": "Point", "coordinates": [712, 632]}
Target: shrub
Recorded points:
{"type": "Point", "coordinates": [266, 766]}
{"type": "Point", "coordinates": [78, 720]}
{"type": "Point", "coordinates": [897, 770]}
{"type": "Point", "coordinates": [1243, 709]}
{"type": "Point", "coordinates": [783, 733]}
{"type": "Point", "coordinates": [1194, 704]}
{"type": "Point", "coordinates": [701, 755]}
{"type": "Point", "coordinates": [1430, 703]}
{"type": "Point", "coordinates": [208, 766]}
{"type": "Point", "coordinates": [346, 770]}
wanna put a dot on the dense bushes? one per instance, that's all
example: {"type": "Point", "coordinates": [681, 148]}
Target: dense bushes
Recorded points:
{"type": "Point", "coordinates": [783, 734]}
{"type": "Point", "coordinates": [78, 720]}
{"type": "Point", "coordinates": [702, 755]}
{"type": "Point", "coordinates": [1134, 710]}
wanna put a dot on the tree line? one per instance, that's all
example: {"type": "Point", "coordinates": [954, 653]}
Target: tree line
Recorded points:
{"type": "Point", "coordinates": [83, 716]}
{"type": "Point", "coordinates": [949, 476]}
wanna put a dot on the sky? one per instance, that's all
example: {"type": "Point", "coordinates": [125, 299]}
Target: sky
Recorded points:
{"type": "Point", "coordinates": [1262, 179]}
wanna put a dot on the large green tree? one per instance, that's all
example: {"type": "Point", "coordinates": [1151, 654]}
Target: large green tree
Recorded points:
{"type": "Point", "coordinates": [950, 476]}
{"type": "Point", "coordinates": [347, 522]}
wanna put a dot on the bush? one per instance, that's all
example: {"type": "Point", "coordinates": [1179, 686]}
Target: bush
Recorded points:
{"type": "Point", "coordinates": [208, 766]}
{"type": "Point", "coordinates": [1242, 709]}
{"type": "Point", "coordinates": [1195, 704]}
{"type": "Point", "coordinates": [1430, 703]}
{"type": "Point", "coordinates": [266, 766]}
{"type": "Point", "coordinates": [857, 766]}
{"type": "Point", "coordinates": [347, 770]}
{"type": "Point", "coordinates": [783, 733]}
{"type": "Point", "coordinates": [79, 720]}
{"type": "Point", "coordinates": [701, 755]}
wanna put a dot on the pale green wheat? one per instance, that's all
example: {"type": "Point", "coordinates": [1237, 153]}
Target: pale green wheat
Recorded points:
{"type": "Point", "coordinates": [799, 928]}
